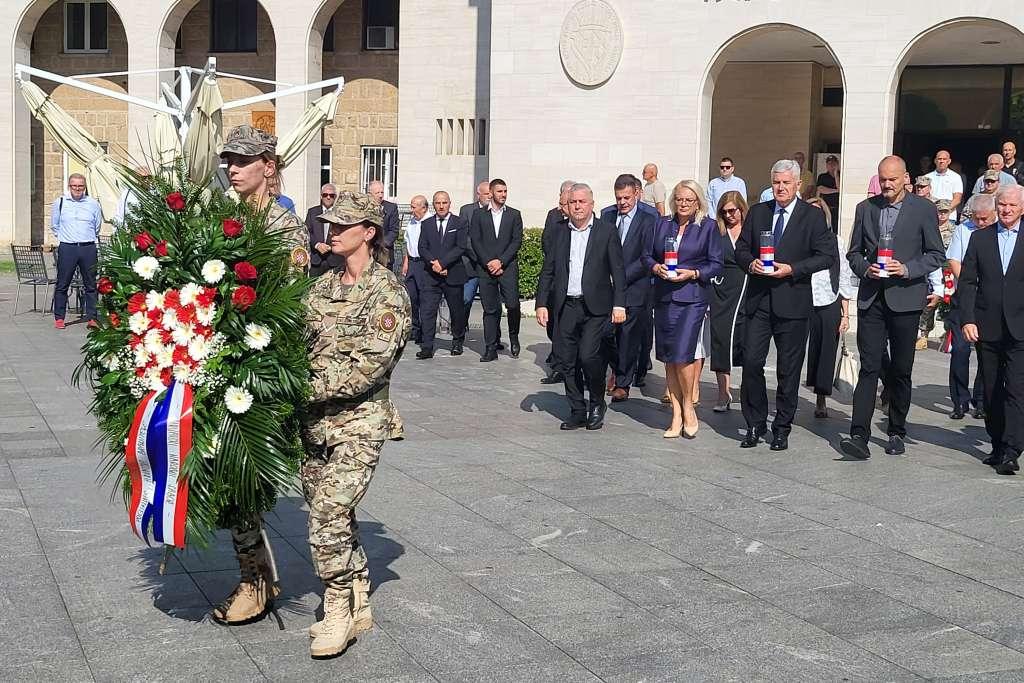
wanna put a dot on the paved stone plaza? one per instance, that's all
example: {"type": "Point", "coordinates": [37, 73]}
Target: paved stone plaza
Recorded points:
{"type": "Point", "coordinates": [505, 550]}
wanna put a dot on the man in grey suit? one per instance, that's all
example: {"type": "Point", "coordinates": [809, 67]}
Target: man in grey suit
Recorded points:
{"type": "Point", "coordinates": [890, 298]}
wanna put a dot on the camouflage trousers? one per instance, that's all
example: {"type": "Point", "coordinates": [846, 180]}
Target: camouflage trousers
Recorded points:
{"type": "Point", "coordinates": [334, 480]}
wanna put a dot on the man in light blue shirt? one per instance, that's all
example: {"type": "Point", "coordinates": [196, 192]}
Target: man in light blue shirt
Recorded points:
{"type": "Point", "coordinates": [75, 221]}
{"type": "Point", "coordinates": [994, 163]}
{"type": "Point", "coordinates": [726, 182]}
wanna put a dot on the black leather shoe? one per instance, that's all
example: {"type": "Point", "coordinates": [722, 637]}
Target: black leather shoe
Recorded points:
{"type": "Point", "coordinates": [489, 355]}
{"type": "Point", "coordinates": [1008, 465]}
{"type": "Point", "coordinates": [553, 378]}
{"type": "Point", "coordinates": [596, 418]}
{"type": "Point", "coordinates": [640, 381]}
{"type": "Point", "coordinates": [780, 442]}
{"type": "Point", "coordinates": [424, 354]}
{"type": "Point", "coordinates": [573, 423]}
{"type": "Point", "coordinates": [753, 436]}
{"type": "Point", "coordinates": [456, 348]}
{"type": "Point", "coordinates": [896, 446]}
{"type": "Point", "coordinates": [994, 459]}
{"type": "Point", "coordinates": [957, 414]}
{"type": "Point", "coordinates": [978, 414]}
{"type": "Point", "coordinates": [855, 447]}
{"type": "Point", "coordinates": [513, 348]}
{"type": "Point", "coordinates": [500, 346]}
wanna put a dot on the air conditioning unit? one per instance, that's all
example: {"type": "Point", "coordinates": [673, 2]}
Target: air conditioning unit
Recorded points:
{"type": "Point", "coordinates": [380, 37]}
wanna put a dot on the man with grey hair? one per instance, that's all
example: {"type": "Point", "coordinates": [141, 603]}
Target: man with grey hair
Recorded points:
{"type": "Point", "coordinates": [892, 293]}
{"type": "Point", "coordinates": [413, 267]}
{"type": "Point", "coordinates": [779, 300]}
{"type": "Point", "coordinates": [386, 255]}
{"type": "Point", "coordinates": [994, 163]}
{"type": "Point", "coordinates": [557, 219]}
{"type": "Point", "coordinates": [992, 318]}
{"type": "Point", "coordinates": [321, 259]}
{"type": "Point", "coordinates": [582, 285]}
{"type": "Point", "coordinates": [75, 221]}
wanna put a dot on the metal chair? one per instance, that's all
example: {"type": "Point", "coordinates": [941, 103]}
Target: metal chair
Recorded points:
{"type": "Point", "coordinates": [30, 266]}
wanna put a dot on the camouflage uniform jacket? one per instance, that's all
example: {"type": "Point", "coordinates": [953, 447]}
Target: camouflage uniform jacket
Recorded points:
{"type": "Point", "coordinates": [946, 230]}
{"type": "Point", "coordinates": [358, 332]}
{"type": "Point", "coordinates": [280, 219]}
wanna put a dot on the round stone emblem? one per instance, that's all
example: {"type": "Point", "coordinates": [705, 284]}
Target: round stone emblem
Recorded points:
{"type": "Point", "coordinates": [591, 42]}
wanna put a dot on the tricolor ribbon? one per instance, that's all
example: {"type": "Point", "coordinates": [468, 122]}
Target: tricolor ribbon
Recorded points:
{"type": "Point", "coordinates": [159, 442]}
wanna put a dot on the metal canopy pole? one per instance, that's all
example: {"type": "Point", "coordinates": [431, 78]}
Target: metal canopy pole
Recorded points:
{"type": "Point", "coordinates": [20, 70]}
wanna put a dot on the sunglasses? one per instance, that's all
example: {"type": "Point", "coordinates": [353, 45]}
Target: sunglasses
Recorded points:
{"type": "Point", "coordinates": [725, 168]}
{"type": "Point", "coordinates": [328, 195]}
{"type": "Point", "coordinates": [730, 211]}
{"type": "Point", "coordinates": [991, 180]}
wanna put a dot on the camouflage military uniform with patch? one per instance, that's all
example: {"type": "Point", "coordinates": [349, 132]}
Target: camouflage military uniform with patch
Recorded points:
{"type": "Point", "coordinates": [360, 331]}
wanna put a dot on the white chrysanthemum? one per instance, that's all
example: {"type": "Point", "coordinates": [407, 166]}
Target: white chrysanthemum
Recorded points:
{"type": "Point", "coordinates": [182, 335]}
{"type": "Point", "coordinates": [188, 293]}
{"type": "Point", "coordinates": [138, 323]}
{"type": "Point", "coordinates": [153, 380]}
{"type": "Point", "coordinates": [154, 300]}
{"type": "Point", "coordinates": [170, 321]}
{"type": "Point", "coordinates": [146, 267]}
{"type": "Point", "coordinates": [257, 336]}
{"type": "Point", "coordinates": [237, 400]}
{"type": "Point", "coordinates": [141, 356]}
{"type": "Point", "coordinates": [164, 358]}
{"type": "Point", "coordinates": [182, 372]}
{"type": "Point", "coordinates": [213, 270]}
{"type": "Point", "coordinates": [153, 342]}
{"type": "Point", "coordinates": [205, 315]}
{"type": "Point", "coordinates": [198, 348]}
{"type": "Point", "coordinates": [109, 361]}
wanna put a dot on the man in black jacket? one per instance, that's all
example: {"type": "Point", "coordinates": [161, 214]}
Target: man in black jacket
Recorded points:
{"type": "Point", "coordinates": [390, 234]}
{"type": "Point", "coordinates": [583, 283]}
{"type": "Point", "coordinates": [557, 219]}
{"type": "Point", "coordinates": [442, 244]}
{"type": "Point", "coordinates": [889, 303]}
{"type": "Point", "coordinates": [495, 235]}
{"type": "Point", "coordinates": [632, 227]}
{"type": "Point", "coordinates": [321, 259]}
{"type": "Point", "coordinates": [469, 290]}
{"type": "Point", "coordinates": [991, 308]}
{"type": "Point", "coordinates": [779, 302]}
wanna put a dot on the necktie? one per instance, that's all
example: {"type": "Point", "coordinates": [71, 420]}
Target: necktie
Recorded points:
{"type": "Point", "coordinates": [622, 228]}
{"type": "Point", "coordinates": [440, 227]}
{"type": "Point", "coordinates": [780, 223]}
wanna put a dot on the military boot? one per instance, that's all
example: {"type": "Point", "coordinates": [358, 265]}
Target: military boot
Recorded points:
{"type": "Point", "coordinates": [337, 629]}
{"type": "Point", "coordinates": [361, 615]}
{"type": "Point", "coordinates": [255, 593]}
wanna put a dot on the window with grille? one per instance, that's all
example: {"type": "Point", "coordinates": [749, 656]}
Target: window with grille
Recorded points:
{"type": "Point", "coordinates": [325, 164]}
{"type": "Point", "coordinates": [380, 163]}
{"type": "Point", "coordinates": [85, 26]}
{"type": "Point", "coordinates": [460, 137]}
{"type": "Point", "coordinates": [233, 25]}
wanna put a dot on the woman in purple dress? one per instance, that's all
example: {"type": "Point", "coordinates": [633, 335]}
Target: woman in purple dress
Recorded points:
{"type": "Point", "coordinates": [681, 296]}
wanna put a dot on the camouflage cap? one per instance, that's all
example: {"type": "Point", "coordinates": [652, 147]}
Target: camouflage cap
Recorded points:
{"type": "Point", "coordinates": [943, 205]}
{"type": "Point", "coordinates": [923, 181]}
{"type": "Point", "coordinates": [991, 174]}
{"type": "Point", "coordinates": [249, 141]}
{"type": "Point", "coordinates": [353, 208]}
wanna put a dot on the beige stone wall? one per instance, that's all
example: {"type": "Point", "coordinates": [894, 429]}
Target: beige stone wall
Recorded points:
{"type": "Point", "coordinates": [104, 118]}
{"type": "Point", "coordinates": [368, 110]}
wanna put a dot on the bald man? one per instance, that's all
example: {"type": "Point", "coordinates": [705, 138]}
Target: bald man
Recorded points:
{"type": "Point", "coordinates": [654, 189]}
{"type": "Point", "coordinates": [890, 298]}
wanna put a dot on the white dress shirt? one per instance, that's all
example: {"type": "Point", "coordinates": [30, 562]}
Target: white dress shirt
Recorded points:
{"type": "Point", "coordinates": [577, 254]}
{"type": "Point", "coordinates": [945, 185]}
{"type": "Point", "coordinates": [821, 283]}
{"type": "Point", "coordinates": [496, 218]}
{"type": "Point", "coordinates": [412, 236]}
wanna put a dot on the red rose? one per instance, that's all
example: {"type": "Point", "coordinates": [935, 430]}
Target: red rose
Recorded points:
{"type": "Point", "coordinates": [143, 241]}
{"type": "Point", "coordinates": [161, 248]}
{"type": "Point", "coordinates": [137, 303]}
{"type": "Point", "coordinates": [104, 285]}
{"type": "Point", "coordinates": [243, 297]}
{"type": "Point", "coordinates": [115, 320]}
{"type": "Point", "coordinates": [175, 201]}
{"type": "Point", "coordinates": [245, 271]}
{"type": "Point", "coordinates": [232, 228]}
{"type": "Point", "coordinates": [172, 298]}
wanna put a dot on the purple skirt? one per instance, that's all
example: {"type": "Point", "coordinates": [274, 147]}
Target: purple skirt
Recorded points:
{"type": "Point", "coordinates": [677, 328]}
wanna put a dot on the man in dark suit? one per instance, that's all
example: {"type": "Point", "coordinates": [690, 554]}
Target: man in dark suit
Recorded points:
{"type": "Point", "coordinates": [991, 309]}
{"type": "Point", "coordinates": [495, 235]}
{"type": "Point", "coordinates": [557, 219]}
{"type": "Point", "coordinates": [779, 302]}
{"type": "Point", "coordinates": [889, 305]}
{"type": "Point", "coordinates": [442, 244]}
{"type": "Point", "coordinates": [390, 232]}
{"type": "Point", "coordinates": [469, 290]}
{"type": "Point", "coordinates": [321, 259]}
{"type": "Point", "coordinates": [583, 281]}
{"type": "Point", "coordinates": [633, 225]}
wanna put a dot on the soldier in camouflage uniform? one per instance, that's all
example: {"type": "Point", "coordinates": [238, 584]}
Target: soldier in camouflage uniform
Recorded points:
{"type": "Point", "coordinates": [360, 320]}
{"type": "Point", "coordinates": [251, 155]}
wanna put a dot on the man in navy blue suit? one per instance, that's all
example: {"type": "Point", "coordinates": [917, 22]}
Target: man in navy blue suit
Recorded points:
{"type": "Point", "coordinates": [632, 225]}
{"type": "Point", "coordinates": [442, 244]}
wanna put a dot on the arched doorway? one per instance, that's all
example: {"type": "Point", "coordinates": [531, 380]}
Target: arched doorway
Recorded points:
{"type": "Point", "coordinates": [69, 39]}
{"type": "Point", "coordinates": [771, 91]}
{"type": "Point", "coordinates": [960, 86]}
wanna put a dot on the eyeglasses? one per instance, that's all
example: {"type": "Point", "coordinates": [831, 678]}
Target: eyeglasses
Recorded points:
{"type": "Point", "coordinates": [327, 194]}
{"type": "Point", "coordinates": [686, 201]}
{"type": "Point", "coordinates": [725, 168]}
{"type": "Point", "coordinates": [991, 180]}
{"type": "Point", "coordinates": [730, 211]}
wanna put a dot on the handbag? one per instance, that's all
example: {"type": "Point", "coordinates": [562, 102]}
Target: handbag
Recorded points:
{"type": "Point", "coordinates": [846, 374]}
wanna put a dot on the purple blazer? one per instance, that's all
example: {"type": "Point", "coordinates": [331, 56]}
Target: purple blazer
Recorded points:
{"type": "Point", "coordinates": [700, 248]}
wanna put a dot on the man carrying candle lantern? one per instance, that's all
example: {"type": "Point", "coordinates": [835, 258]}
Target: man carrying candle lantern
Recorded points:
{"type": "Point", "coordinates": [895, 244]}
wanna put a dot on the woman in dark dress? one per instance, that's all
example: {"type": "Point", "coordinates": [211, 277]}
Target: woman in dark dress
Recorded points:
{"type": "Point", "coordinates": [727, 298]}
{"type": "Point", "coordinates": [681, 301]}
